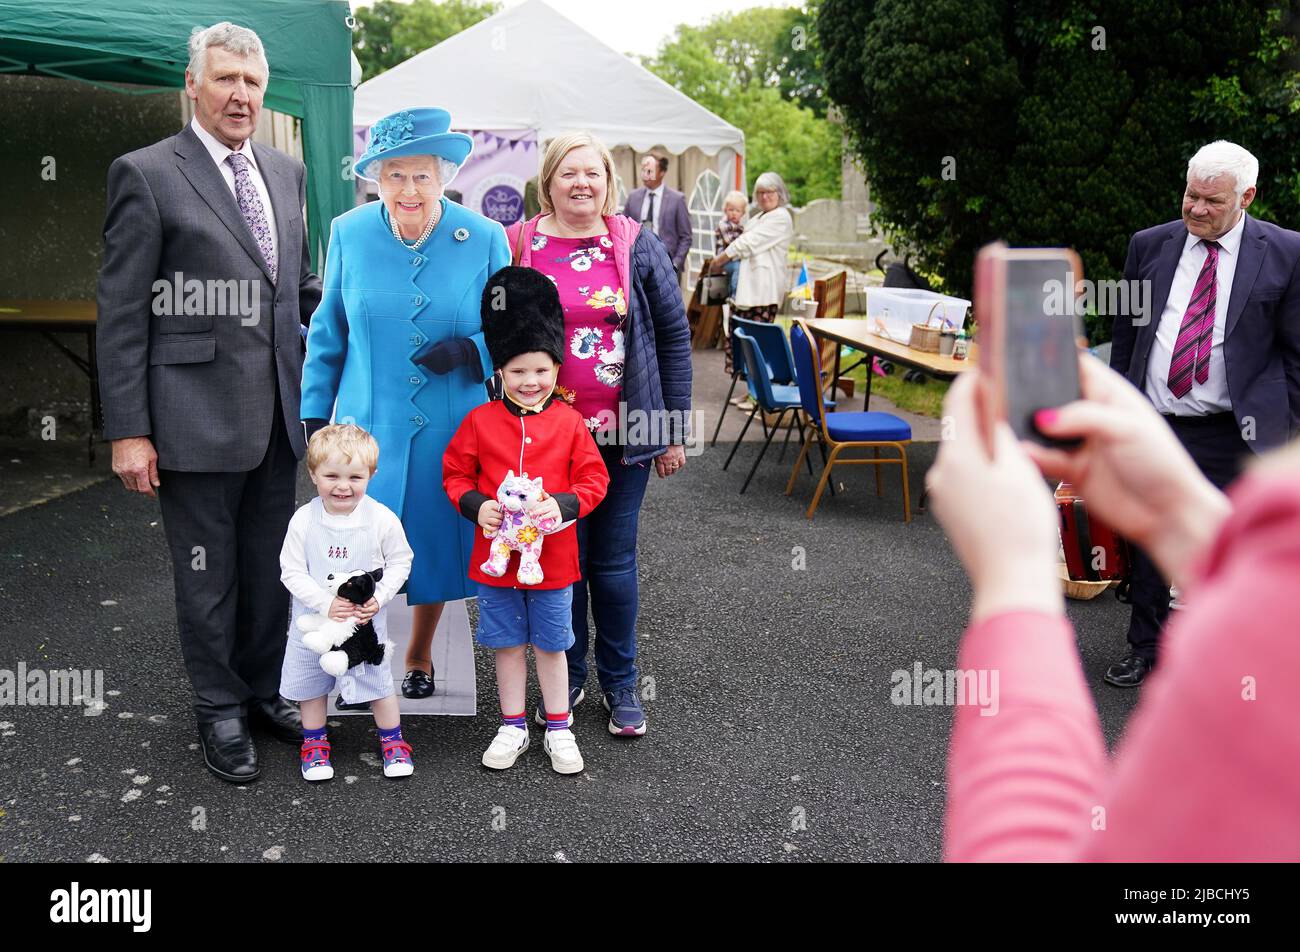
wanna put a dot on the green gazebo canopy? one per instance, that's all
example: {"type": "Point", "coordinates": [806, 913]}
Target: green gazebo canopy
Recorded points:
{"type": "Point", "coordinates": [308, 45]}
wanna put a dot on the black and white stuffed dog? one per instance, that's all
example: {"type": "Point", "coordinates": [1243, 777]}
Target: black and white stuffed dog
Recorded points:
{"type": "Point", "coordinates": [345, 644]}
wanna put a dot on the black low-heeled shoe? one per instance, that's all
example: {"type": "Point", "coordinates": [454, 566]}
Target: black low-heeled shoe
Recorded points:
{"type": "Point", "coordinates": [417, 685]}
{"type": "Point", "coordinates": [342, 705]}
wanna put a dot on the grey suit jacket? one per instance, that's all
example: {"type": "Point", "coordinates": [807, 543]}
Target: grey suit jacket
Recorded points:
{"type": "Point", "coordinates": [674, 222]}
{"type": "Point", "coordinates": [194, 340]}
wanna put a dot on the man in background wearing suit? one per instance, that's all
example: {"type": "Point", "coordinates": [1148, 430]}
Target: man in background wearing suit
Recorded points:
{"type": "Point", "coordinates": [662, 210]}
{"type": "Point", "coordinates": [1219, 351]}
{"type": "Point", "coordinates": [205, 283]}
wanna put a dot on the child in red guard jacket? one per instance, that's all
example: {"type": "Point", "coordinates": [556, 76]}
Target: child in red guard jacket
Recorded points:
{"type": "Point", "coordinates": [524, 467]}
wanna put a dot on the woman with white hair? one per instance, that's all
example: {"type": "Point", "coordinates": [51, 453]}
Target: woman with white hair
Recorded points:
{"type": "Point", "coordinates": [396, 346]}
{"type": "Point", "coordinates": [761, 251]}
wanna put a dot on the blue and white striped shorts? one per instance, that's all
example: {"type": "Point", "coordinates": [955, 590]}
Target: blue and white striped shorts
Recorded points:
{"type": "Point", "coordinates": [302, 678]}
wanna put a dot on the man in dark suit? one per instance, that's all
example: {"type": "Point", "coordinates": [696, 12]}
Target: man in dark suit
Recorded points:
{"type": "Point", "coordinates": [205, 283]}
{"type": "Point", "coordinates": [1218, 351]}
{"type": "Point", "coordinates": [662, 210]}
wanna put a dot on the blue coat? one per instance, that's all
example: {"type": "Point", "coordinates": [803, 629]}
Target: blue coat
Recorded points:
{"type": "Point", "coordinates": [657, 369]}
{"type": "Point", "coordinates": [380, 303]}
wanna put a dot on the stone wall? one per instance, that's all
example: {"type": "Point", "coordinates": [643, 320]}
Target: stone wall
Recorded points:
{"type": "Point", "coordinates": [838, 230]}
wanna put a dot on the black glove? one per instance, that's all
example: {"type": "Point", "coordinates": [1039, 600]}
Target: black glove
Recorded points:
{"type": "Point", "coordinates": [444, 357]}
{"type": "Point", "coordinates": [311, 426]}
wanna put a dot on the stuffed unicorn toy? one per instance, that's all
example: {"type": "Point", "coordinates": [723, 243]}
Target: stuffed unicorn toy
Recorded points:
{"type": "Point", "coordinates": [519, 531]}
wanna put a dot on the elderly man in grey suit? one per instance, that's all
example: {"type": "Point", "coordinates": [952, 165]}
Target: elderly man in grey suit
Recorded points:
{"type": "Point", "coordinates": [662, 210]}
{"type": "Point", "coordinates": [206, 281]}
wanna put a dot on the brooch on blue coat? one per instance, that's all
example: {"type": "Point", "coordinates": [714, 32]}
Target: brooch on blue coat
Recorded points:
{"type": "Point", "coordinates": [460, 234]}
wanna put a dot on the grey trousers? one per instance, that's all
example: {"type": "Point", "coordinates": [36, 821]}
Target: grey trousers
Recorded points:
{"type": "Point", "coordinates": [225, 531]}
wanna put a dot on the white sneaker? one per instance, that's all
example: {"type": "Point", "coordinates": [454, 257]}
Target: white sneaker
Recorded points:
{"type": "Point", "coordinates": [563, 749]}
{"type": "Point", "coordinates": [506, 747]}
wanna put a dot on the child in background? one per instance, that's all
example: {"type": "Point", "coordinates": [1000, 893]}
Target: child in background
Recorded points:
{"type": "Point", "coordinates": [527, 431]}
{"type": "Point", "coordinates": [728, 230]}
{"type": "Point", "coordinates": [342, 531]}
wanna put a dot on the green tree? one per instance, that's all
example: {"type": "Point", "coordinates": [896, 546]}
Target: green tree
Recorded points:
{"type": "Point", "coordinates": [389, 32]}
{"type": "Point", "coordinates": [798, 54]}
{"type": "Point", "coordinates": [791, 140]}
{"type": "Point", "coordinates": [1056, 122]}
{"type": "Point", "coordinates": [759, 70]}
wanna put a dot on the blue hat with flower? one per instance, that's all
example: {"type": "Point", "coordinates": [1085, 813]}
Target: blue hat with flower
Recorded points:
{"type": "Point", "coordinates": [414, 132]}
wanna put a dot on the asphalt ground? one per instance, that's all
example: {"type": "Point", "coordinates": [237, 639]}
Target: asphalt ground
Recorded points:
{"type": "Point", "coordinates": [772, 733]}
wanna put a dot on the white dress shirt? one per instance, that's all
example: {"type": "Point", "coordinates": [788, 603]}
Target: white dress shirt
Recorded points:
{"type": "Point", "coordinates": [219, 153]}
{"type": "Point", "coordinates": [658, 193]}
{"type": "Point", "coordinates": [1211, 396]}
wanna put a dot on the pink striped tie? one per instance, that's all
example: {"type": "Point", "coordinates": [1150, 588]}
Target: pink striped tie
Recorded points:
{"type": "Point", "coordinates": [1192, 348]}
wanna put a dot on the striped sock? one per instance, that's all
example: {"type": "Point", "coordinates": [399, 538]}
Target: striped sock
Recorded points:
{"type": "Point", "coordinates": [515, 720]}
{"type": "Point", "coordinates": [557, 722]}
{"type": "Point", "coordinates": [387, 737]}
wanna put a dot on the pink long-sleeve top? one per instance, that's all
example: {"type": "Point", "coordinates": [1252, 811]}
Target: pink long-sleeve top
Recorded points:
{"type": "Point", "coordinates": [1209, 765]}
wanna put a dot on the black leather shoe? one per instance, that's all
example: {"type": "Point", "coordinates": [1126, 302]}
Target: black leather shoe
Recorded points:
{"type": "Point", "coordinates": [279, 717]}
{"type": "Point", "coordinates": [342, 705]}
{"type": "Point", "coordinates": [418, 685]}
{"type": "Point", "coordinates": [1130, 672]}
{"type": "Point", "coordinates": [228, 750]}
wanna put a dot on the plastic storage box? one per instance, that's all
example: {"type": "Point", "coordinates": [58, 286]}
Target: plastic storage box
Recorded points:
{"type": "Point", "coordinates": [893, 311]}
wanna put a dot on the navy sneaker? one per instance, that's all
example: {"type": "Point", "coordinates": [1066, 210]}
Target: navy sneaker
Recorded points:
{"type": "Point", "coordinates": [576, 696]}
{"type": "Point", "coordinates": [626, 716]}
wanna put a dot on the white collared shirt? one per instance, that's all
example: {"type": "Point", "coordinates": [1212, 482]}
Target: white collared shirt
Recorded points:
{"type": "Point", "coordinates": [1211, 396]}
{"type": "Point", "coordinates": [658, 193]}
{"type": "Point", "coordinates": [219, 152]}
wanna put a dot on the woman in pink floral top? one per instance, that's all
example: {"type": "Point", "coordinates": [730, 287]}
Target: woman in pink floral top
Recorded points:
{"type": "Point", "coordinates": [595, 316]}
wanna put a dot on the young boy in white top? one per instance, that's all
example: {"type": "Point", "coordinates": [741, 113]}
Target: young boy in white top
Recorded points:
{"type": "Point", "coordinates": [342, 531]}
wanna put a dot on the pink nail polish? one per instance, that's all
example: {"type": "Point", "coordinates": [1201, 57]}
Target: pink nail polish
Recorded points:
{"type": "Point", "coordinates": [1046, 417]}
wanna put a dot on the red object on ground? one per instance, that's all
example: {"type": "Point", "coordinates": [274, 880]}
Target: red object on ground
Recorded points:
{"type": "Point", "coordinates": [1093, 551]}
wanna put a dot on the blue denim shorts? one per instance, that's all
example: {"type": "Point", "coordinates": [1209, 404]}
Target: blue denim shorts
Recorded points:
{"type": "Point", "coordinates": [508, 617]}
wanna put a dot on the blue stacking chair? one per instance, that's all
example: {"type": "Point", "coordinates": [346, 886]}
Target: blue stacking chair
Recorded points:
{"type": "Point", "coordinates": [768, 397]}
{"type": "Point", "coordinates": [775, 349]}
{"type": "Point", "coordinates": [841, 431]}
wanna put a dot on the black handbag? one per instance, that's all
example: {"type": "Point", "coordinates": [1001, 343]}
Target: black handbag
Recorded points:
{"type": "Point", "coordinates": [715, 289]}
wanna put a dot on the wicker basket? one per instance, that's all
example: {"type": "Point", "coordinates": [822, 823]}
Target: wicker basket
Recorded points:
{"type": "Point", "coordinates": [1081, 590]}
{"type": "Point", "coordinates": [925, 337]}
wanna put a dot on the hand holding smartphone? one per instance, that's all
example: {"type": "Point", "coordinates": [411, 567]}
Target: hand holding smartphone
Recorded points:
{"type": "Point", "coordinates": [1026, 303]}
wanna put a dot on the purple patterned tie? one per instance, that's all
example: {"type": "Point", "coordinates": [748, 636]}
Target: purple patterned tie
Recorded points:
{"type": "Point", "coordinates": [250, 204]}
{"type": "Point", "coordinates": [1192, 348]}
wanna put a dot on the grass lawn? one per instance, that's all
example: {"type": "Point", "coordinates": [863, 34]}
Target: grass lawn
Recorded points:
{"type": "Point", "coordinates": [925, 398]}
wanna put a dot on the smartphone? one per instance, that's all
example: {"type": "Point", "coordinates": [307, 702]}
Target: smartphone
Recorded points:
{"type": "Point", "coordinates": [1026, 304]}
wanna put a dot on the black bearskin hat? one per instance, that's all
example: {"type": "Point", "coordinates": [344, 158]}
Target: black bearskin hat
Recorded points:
{"type": "Point", "coordinates": [521, 314]}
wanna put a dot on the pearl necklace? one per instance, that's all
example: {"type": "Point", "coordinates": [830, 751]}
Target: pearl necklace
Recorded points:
{"type": "Point", "coordinates": [424, 235]}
